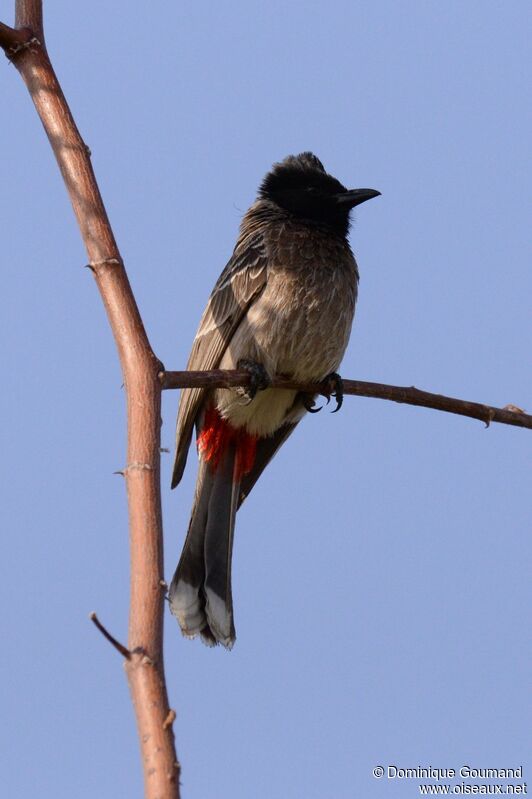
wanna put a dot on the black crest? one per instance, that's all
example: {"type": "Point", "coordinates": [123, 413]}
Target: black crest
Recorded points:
{"type": "Point", "coordinates": [300, 185]}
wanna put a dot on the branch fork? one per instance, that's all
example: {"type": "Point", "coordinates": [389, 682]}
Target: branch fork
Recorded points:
{"type": "Point", "coordinates": [16, 40]}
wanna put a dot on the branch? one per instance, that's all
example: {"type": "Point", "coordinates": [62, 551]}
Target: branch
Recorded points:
{"type": "Point", "coordinates": [218, 378]}
{"type": "Point", "coordinates": [112, 640]}
{"type": "Point", "coordinates": [13, 40]}
{"type": "Point", "coordinates": [28, 14]}
{"type": "Point", "coordinates": [140, 368]}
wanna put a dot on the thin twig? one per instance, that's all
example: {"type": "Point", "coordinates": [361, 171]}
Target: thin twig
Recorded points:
{"type": "Point", "coordinates": [218, 378]}
{"type": "Point", "coordinates": [112, 640]}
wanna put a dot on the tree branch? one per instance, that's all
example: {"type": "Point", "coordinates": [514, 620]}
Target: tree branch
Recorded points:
{"type": "Point", "coordinates": [140, 368]}
{"type": "Point", "coordinates": [409, 395]}
{"type": "Point", "coordinates": [28, 14]}
{"type": "Point", "coordinates": [112, 640]}
{"type": "Point", "coordinates": [13, 40]}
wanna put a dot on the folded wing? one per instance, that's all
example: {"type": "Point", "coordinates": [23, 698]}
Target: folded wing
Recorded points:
{"type": "Point", "coordinates": [241, 282]}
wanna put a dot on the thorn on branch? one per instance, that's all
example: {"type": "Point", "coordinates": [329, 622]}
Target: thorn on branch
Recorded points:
{"type": "Point", "coordinates": [169, 720]}
{"type": "Point", "coordinates": [112, 640]}
{"type": "Point", "coordinates": [105, 261]}
{"type": "Point", "coordinates": [143, 467]}
{"type": "Point", "coordinates": [490, 416]}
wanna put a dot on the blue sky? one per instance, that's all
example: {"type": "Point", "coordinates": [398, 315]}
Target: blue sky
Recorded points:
{"type": "Point", "coordinates": [382, 564]}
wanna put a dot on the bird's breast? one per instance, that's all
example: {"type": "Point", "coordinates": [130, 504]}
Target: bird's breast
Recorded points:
{"type": "Point", "coordinates": [298, 326]}
{"type": "Point", "coordinates": [301, 323]}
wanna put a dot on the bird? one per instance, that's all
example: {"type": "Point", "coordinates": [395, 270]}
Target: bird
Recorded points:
{"type": "Point", "coordinates": [283, 305]}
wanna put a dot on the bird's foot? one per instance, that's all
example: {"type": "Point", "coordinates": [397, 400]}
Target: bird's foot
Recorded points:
{"type": "Point", "coordinates": [259, 379]}
{"type": "Point", "coordinates": [333, 386]}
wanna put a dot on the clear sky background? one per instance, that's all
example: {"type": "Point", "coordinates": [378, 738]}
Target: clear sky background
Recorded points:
{"type": "Point", "coordinates": [382, 564]}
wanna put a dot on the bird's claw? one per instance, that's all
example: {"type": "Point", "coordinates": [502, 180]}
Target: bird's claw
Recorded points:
{"type": "Point", "coordinates": [259, 378]}
{"type": "Point", "coordinates": [333, 385]}
{"type": "Point", "coordinates": [309, 403]}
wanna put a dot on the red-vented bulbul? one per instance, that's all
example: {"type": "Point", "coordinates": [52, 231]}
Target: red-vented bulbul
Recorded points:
{"type": "Point", "coordinates": [284, 304]}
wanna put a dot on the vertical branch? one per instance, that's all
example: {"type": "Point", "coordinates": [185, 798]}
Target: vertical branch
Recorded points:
{"type": "Point", "coordinates": [28, 14]}
{"type": "Point", "coordinates": [140, 367]}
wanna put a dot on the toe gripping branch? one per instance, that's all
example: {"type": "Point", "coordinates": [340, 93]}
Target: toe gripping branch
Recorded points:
{"type": "Point", "coordinates": [332, 386]}
{"type": "Point", "coordinates": [259, 377]}
{"type": "Point", "coordinates": [335, 384]}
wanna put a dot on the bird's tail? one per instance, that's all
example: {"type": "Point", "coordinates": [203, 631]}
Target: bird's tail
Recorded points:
{"type": "Point", "coordinates": [200, 592]}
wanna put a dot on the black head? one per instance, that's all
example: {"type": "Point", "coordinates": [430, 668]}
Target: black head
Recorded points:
{"type": "Point", "coordinates": [300, 185]}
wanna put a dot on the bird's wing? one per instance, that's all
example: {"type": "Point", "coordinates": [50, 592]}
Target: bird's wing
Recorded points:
{"type": "Point", "coordinates": [242, 280]}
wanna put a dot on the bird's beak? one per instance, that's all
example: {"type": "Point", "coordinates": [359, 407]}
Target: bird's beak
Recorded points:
{"type": "Point", "coordinates": [356, 196]}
